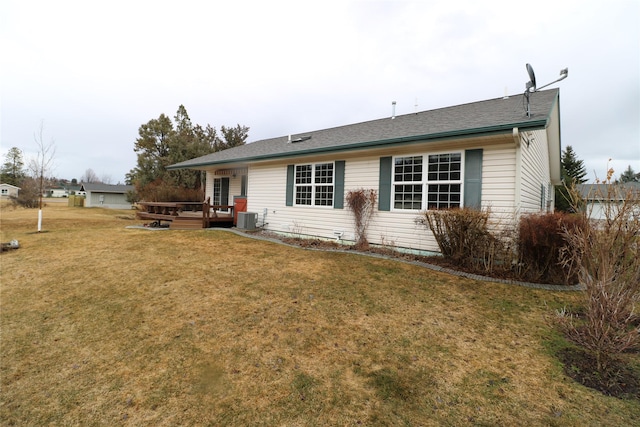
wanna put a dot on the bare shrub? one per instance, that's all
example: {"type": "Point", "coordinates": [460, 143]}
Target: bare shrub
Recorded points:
{"type": "Point", "coordinates": [362, 203]}
{"type": "Point", "coordinates": [464, 236]}
{"type": "Point", "coordinates": [160, 191]}
{"type": "Point", "coordinates": [457, 230]}
{"type": "Point", "coordinates": [540, 242]}
{"type": "Point", "coordinates": [28, 196]}
{"type": "Point", "coordinates": [607, 253]}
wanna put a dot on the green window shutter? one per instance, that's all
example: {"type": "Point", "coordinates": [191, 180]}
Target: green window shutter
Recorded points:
{"type": "Point", "coordinates": [338, 186]}
{"type": "Point", "coordinates": [290, 179]}
{"type": "Point", "coordinates": [224, 191]}
{"type": "Point", "coordinates": [473, 178]}
{"type": "Point", "coordinates": [384, 186]}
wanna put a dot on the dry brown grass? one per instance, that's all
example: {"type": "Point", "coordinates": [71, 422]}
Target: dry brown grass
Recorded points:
{"type": "Point", "coordinates": [104, 325]}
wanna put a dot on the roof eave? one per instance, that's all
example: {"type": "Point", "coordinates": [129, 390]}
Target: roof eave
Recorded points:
{"type": "Point", "coordinates": [465, 133]}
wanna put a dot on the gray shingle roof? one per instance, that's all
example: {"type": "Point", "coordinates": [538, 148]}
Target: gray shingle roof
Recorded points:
{"type": "Point", "coordinates": [595, 192]}
{"type": "Point", "coordinates": [498, 115]}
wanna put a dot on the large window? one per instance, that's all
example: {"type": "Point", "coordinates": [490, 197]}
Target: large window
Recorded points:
{"type": "Point", "coordinates": [442, 182]}
{"type": "Point", "coordinates": [314, 184]}
{"type": "Point", "coordinates": [407, 176]}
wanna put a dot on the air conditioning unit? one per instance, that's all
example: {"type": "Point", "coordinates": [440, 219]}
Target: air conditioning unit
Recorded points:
{"type": "Point", "coordinates": [247, 220]}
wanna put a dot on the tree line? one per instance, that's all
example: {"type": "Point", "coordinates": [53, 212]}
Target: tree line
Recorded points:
{"type": "Point", "coordinates": [162, 142]}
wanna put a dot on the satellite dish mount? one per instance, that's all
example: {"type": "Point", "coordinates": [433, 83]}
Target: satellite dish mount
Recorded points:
{"type": "Point", "coordinates": [531, 86]}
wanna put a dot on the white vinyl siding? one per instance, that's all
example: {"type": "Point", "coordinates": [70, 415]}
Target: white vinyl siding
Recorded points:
{"type": "Point", "coordinates": [107, 200]}
{"type": "Point", "coordinates": [267, 193]}
{"type": "Point", "coordinates": [498, 183]}
{"type": "Point", "coordinates": [535, 172]}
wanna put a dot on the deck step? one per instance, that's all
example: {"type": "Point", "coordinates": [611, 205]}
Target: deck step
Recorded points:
{"type": "Point", "coordinates": [186, 223]}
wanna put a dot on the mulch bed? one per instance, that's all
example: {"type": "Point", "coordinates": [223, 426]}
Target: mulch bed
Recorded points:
{"type": "Point", "coordinates": [620, 381]}
{"type": "Point", "coordinates": [434, 260]}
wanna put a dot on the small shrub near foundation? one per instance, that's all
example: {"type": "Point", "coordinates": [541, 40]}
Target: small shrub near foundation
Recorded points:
{"type": "Point", "coordinates": [362, 204]}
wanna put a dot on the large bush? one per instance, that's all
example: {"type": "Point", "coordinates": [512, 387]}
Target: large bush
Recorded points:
{"type": "Point", "coordinates": [529, 251]}
{"type": "Point", "coordinates": [541, 239]}
{"type": "Point", "coordinates": [467, 238]}
{"type": "Point", "coordinates": [28, 196]}
{"type": "Point", "coordinates": [607, 255]}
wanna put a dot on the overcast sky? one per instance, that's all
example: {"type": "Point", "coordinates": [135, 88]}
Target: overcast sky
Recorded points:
{"type": "Point", "coordinates": [94, 71]}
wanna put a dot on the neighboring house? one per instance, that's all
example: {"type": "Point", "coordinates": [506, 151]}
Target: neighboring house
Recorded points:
{"type": "Point", "coordinates": [74, 190]}
{"type": "Point", "coordinates": [106, 195]}
{"type": "Point", "coordinates": [8, 190]}
{"type": "Point", "coordinates": [602, 197]}
{"type": "Point", "coordinates": [56, 192]}
{"type": "Point", "coordinates": [488, 153]}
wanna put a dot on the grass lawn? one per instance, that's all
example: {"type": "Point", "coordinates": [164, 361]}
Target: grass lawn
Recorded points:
{"type": "Point", "coordinates": [105, 325]}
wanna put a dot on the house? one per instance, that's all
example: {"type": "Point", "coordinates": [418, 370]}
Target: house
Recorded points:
{"type": "Point", "coordinates": [106, 195]}
{"type": "Point", "coordinates": [8, 190]}
{"type": "Point", "coordinates": [56, 192]}
{"type": "Point", "coordinates": [74, 190]}
{"type": "Point", "coordinates": [603, 200]}
{"type": "Point", "coordinates": [482, 154]}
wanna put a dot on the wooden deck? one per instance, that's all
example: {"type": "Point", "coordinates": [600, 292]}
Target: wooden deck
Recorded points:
{"type": "Point", "coordinates": [186, 215]}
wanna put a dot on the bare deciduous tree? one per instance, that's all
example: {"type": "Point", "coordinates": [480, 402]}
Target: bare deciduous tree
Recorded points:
{"type": "Point", "coordinates": [42, 166]}
{"type": "Point", "coordinates": [89, 177]}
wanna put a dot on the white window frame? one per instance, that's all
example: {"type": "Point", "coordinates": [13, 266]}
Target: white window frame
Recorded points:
{"type": "Point", "coordinates": [315, 169]}
{"type": "Point", "coordinates": [214, 202]}
{"type": "Point", "coordinates": [411, 183]}
{"type": "Point", "coordinates": [213, 191]}
{"type": "Point", "coordinates": [425, 182]}
{"type": "Point", "coordinates": [448, 182]}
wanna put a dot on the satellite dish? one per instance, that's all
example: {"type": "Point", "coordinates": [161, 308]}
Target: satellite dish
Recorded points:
{"type": "Point", "coordinates": [532, 87]}
{"type": "Point", "coordinates": [532, 78]}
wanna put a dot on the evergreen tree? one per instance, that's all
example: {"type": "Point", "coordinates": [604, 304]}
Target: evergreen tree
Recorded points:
{"type": "Point", "coordinates": [573, 172]}
{"type": "Point", "coordinates": [629, 175]}
{"type": "Point", "coordinates": [163, 142]}
{"type": "Point", "coordinates": [234, 136]}
{"type": "Point", "coordinates": [12, 171]}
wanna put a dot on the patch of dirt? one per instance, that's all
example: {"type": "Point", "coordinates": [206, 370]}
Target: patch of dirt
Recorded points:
{"type": "Point", "coordinates": [620, 381]}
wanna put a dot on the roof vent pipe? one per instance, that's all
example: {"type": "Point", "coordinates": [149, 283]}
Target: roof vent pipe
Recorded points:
{"type": "Point", "coordinates": [393, 110]}
{"type": "Point", "coordinates": [289, 139]}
